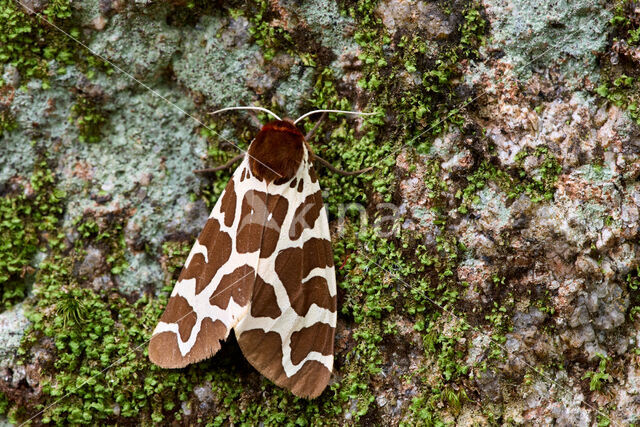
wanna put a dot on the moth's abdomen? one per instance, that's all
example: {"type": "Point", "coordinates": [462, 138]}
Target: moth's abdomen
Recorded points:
{"type": "Point", "coordinates": [276, 152]}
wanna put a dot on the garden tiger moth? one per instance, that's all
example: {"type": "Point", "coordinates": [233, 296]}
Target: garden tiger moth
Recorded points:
{"type": "Point", "coordinates": [263, 266]}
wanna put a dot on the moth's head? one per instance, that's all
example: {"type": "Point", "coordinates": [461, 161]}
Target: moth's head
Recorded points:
{"type": "Point", "coordinates": [276, 152]}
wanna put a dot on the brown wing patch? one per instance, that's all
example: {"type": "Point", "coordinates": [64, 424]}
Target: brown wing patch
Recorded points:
{"type": "Point", "coordinates": [180, 311]}
{"type": "Point", "coordinates": [294, 264]}
{"type": "Point", "coordinates": [264, 351]}
{"type": "Point", "coordinates": [236, 284]}
{"type": "Point", "coordinates": [317, 253]}
{"type": "Point", "coordinates": [280, 181]}
{"type": "Point", "coordinates": [252, 216]}
{"type": "Point", "coordinates": [218, 244]}
{"type": "Point", "coordinates": [312, 173]}
{"type": "Point", "coordinates": [317, 337]}
{"type": "Point", "coordinates": [277, 207]}
{"type": "Point", "coordinates": [260, 212]}
{"type": "Point", "coordinates": [164, 350]}
{"type": "Point", "coordinates": [306, 215]}
{"type": "Point", "coordinates": [300, 186]}
{"type": "Point", "coordinates": [208, 342]}
{"type": "Point", "coordinates": [293, 183]}
{"type": "Point", "coordinates": [263, 301]}
{"type": "Point", "coordinates": [302, 295]}
{"type": "Point", "coordinates": [228, 206]}
{"type": "Point", "coordinates": [318, 288]}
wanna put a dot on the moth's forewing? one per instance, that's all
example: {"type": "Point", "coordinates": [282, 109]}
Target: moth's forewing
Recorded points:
{"type": "Point", "coordinates": [263, 265]}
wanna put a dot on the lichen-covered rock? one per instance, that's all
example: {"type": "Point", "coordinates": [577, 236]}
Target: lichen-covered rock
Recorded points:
{"type": "Point", "coordinates": [12, 325]}
{"type": "Point", "coordinates": [537, 35]}
{"type": "Point", "coordinates": [415, 16]}
{"type": "Point", "coordinates": [488, 266]}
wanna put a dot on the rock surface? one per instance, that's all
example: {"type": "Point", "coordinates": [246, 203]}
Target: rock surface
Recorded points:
{"type": "Point", "coordinates": [488, 267]}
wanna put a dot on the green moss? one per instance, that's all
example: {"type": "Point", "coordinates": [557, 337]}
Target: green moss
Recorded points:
{"type": "Point", "coordinates": [385, 276]}
{"type": "Point", "coordinates": [337, 141]}
{"type": "Point", "coordinates": [499, 319]}
{"type": "Point", "coordinates": [7, 121]}
{"type": "Point", "coordinates": [100, 340]}
{"type": "Point", "coordinates": [429, 107]}
{"type": "Point", "coordinates": [434, 290]}
{"type": "Point", "coordinates": [626, 22]}
{"type": "Point", "coordinates": [603, 420]}
{"type": "Point", "coordinates": [599, 377]}
{"type": "Point", "coordinates": [539, 184]}
{"type": "Point", "coordinates": [544, 303]}
{"type": "Point", "coordinates": [620, 83]}
{"type": "Point", "coordinates": [270, 38]}
{"type": "Point", "coordinates": [89, 119]}
{"type": "Point", "coordinates": [28, 44]}
{"type": "Point", "coordinates": [109, 235]}
{"type": "Point", "coordinates": [176, 254]}
{"type": "Point", "coordinates": [472, 31]}
{"type": "Point", "coordinates": [4, 404]}
{"type": "Point", "coordinates": [369, 286]}
{"type": "Point", "coordinates": [33, 46]}
{"type": "Point", "coordinates": [622, 91]}
{"type": "Point", "coordinates": [402, 276]}
{"type": "Point", "coordinates": [633, 288]}
{"type": "Point", "coordinates": [28, 223]}
{"type": "Point", "coordinates": [370, 296]}
{"type": "Point", "coordinates": [91, 331]}
{"type": "Point", "coordinates": [270, 34]}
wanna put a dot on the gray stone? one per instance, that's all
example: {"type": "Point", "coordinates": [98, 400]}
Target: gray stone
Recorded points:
{"type": "Point", "coordinates": [92, 263]}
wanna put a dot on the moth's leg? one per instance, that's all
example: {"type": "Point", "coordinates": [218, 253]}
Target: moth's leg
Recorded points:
{"type": "Point", "coordinates": [329, 166]}
{"type": "Point", "coordinates": [315, 127]}
{"type": "Point", "coordinates": [222, 167]}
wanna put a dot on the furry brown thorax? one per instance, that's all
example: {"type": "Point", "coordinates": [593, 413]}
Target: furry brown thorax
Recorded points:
{"type": "Point", "coordinates": [276, 152]}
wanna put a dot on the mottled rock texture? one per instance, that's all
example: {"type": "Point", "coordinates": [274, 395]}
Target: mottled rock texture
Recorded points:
{"type": "Point", "coordinates": [488, 267]}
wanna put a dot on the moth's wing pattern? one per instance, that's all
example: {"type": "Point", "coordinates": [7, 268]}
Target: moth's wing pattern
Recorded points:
{"type": "Point", "coordinates": [215, 286]}
{"type": "Point", "coordinates": [288, 333]}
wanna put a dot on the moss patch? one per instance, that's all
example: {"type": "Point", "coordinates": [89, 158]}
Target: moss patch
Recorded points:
{"type": "Point", "coordinates": [429, 106]}
{"type": "Point", "coordinates": [620, 78]}
{"type": "Point", "coordinates": [538, 184]}
{"type": "Point", "coordinates": [7, 121]}
{"type": "Point", "coordinates": [29, 44]}
{"type": "Point", "coordinates": [29, 216]}
{"type": "Point", "coordinates": [91, 331]}
{"type": "Point", "coordinates": [89, 118]}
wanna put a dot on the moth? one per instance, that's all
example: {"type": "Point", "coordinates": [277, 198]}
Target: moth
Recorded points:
{"type": "Point", "coordinates": [262, 266]}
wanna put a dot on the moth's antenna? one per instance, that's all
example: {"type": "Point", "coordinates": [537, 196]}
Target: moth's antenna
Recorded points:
{"type": "Point", "coordinates": [247, 108]}
{"type": "Point", "coordinates": [331, 111]}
